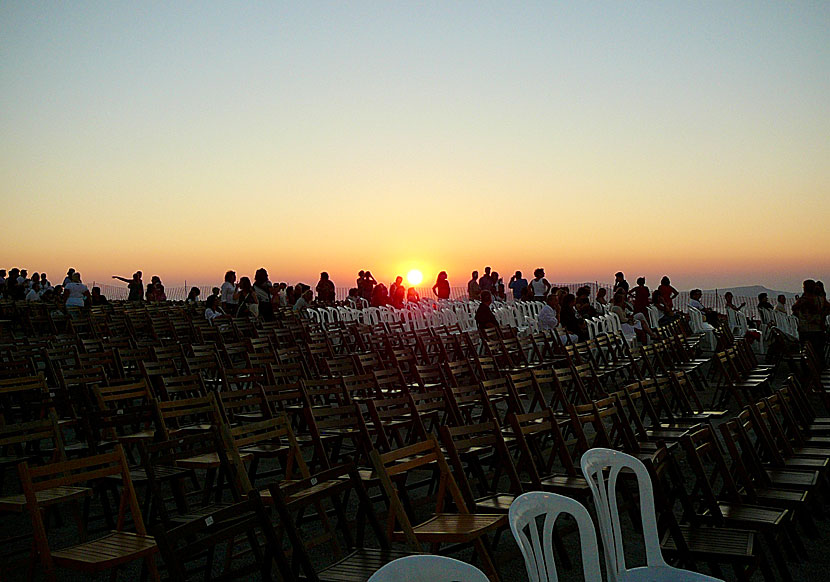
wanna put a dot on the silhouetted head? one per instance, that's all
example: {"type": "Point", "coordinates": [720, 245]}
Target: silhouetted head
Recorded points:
{"type": "Point", "coordinates": [230, 276]}
{"type": "Point", "coordinates": [665, 281]}
{"type": "Point", "coordinates": [486, 297]}
{"type": "Point", "coordinates": [641, 280]}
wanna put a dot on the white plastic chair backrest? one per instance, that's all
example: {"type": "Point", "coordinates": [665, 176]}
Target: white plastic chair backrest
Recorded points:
{"type": "Point", "coordinates": [731, 319]}
{"type": "Point", "coordinates": [592, 327]}
{"type": "Point", "coordinates": [537, 546]}
{"type": "Point", "coordinates": [653, 316]}
{"type": "Point", "coordinates": [614, 324]}
{"type": "Point", "coordinates": [604, 489]}
{"type": "Point", "coordinates": [314, 315]}
{"type": "Point", "coordinates": [428, 568]}
{"type": "Point", "coordinates": [694, 320]}
{"type": "Point", "coordinates": [742, 323]}
{"type": "Point", "coordinates": [594, 462]}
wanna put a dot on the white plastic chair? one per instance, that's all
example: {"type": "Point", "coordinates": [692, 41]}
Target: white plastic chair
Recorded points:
{"type": "Point", "coordinates": [604, 489]}
{"type": "Point", "coordinates": [653, 316]}
{"type": "Point", "coordinates": [428, 568]}
{"type": "Point", "coordinates": [538, 550]}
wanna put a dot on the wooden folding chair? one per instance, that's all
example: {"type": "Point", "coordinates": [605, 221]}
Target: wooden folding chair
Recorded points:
{"type": "Point", "coordinates": [442, 528]}
{"type": "Point", "coordinates": [91, 557]}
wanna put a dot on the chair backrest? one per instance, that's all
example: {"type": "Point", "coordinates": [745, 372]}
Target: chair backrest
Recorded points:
{"type": "Point", "coordinates": [183, 545]}
{"type": "Point", "coordinates": [604, 489]}
{"type": "Point", "coordinates": [427, 568]}
{"type": "Point", "coordinates": [537, 546]}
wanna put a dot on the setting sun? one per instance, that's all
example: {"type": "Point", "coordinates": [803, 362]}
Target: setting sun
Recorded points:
{"type": "Point", "coordinates": [414, 277]}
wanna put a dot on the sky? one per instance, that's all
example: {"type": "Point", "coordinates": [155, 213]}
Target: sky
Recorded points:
{"type": "Point", "coordinates": [188, 138]}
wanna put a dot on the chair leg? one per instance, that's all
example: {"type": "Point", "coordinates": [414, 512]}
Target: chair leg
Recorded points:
{"type": "Point", "coordinates": [486, 560]}
{"type": "Point", "coordinates": [778, 557]}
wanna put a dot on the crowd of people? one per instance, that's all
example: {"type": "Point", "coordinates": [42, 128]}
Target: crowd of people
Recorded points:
{"type": "Point", "coordinates": [260, 297]}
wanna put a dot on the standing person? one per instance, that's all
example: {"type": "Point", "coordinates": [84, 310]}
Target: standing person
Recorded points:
{"type": "Point", "coordinates": [811, 310]}
{"type": "Point", "coordinates": [135, 285]}
{"type": "Point", "coordinates": [68, 279]}
{"type": "Point", "coordinates": [518, 285]}
{"type": "Point", "coordinates": [325, 289]}
{"type": "Point", "coordinates": [620, 283]}
{"type": "Point", "coordinates": [668, 293]}
{"type": "Point", "coordinates": [367, 285]}
{"type": "Point", "coordinates": [539, 285]}
{"type": "Point", "coordinates": [442, 286]}
{"type": "Point", "coordinates": [641, 296]}
{"type": "Point", "coordinates": [486, 281]}
{"type": "Point", "coordinates": [226, 292]}
{"type": "Point", "coordinates": [498, 286]}
{"type": "Point", "coordinates": [263, 289]}
{"type": "Point", "coordinates": [397, 292]}
{"type": "Point", "coordinates": [473, 288]}
{"type": "Point", "coordinates": [246, 299]}
{"type": "Point", "coordinates": [485, 318]}
{"type": "Point", "coordinates": [76, 293]}
{"type": "Point", "coordinates": [155, 291]}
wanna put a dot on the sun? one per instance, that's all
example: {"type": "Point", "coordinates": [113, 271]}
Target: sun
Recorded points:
{"type": "Point", "coordinates": [414, 277]}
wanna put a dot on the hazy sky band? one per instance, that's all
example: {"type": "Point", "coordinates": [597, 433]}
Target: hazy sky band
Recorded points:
{"type": "Point", "coordinates": [187, 138]}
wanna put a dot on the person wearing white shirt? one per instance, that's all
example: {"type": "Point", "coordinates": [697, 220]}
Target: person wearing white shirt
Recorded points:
{"type": "Point", "coordinates": [227, 291]}
{"type": "Point", "coordinates": [547, 317]}
{"type": "Point", "coordinates": [212, 310]}
{"type": "Point", "coordinates": [549, 320]}
{"type": "Point", "coordinates": [75, 292]}
{"type": "Point", "coordinates": [34, 293]}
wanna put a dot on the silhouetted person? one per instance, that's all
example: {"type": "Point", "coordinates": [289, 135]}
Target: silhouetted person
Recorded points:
{"type": "Point", "coordinates": [485, 318]}
{"type": "Point", "coordinates": [135, 286]}
{"type": "Point", "coordinates": [325, 289]}
{"type": "Point", "coordinates": [397, 292]}
{"type": "Point", "coordinates": [473, 288]}
{"type": "Point", "coordinates": [518, 285]}
{"type": "Point", "coordinates": [442, 286]}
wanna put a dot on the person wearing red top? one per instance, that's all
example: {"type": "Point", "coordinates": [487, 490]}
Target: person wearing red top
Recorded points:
{"type": "Point", "coordinates": [668, 293]}
{"type": "Point", "coordinates": [640, 295]}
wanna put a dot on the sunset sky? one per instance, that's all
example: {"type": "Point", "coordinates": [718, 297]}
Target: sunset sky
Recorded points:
{"type": "Point", "coordinates": [682, 138]}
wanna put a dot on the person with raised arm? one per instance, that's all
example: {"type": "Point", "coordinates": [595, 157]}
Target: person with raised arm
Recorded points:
{"type": "Point", "coordinates": [135, 285]}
